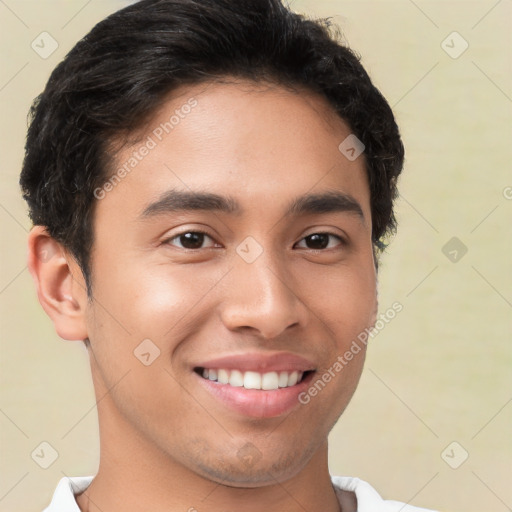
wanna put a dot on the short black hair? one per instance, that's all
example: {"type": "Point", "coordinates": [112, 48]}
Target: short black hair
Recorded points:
{"type": "Point", "coordinates": [123, 69]}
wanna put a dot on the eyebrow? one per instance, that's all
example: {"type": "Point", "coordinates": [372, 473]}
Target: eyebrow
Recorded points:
{"type": "Point", "coordinates": [182, 200]}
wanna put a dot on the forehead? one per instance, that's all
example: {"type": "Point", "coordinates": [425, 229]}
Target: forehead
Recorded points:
{"type": "Point", "coordinates": [240, 139]}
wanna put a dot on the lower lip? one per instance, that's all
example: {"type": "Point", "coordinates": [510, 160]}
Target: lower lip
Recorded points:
{"type": "Point", "coordinates": [257, 403]}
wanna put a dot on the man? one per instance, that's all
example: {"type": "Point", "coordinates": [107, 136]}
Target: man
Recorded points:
{"type": "Point", "coordinates": [210, 183]}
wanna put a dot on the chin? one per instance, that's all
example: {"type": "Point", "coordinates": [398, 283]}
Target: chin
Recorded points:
{"type": "Point", "coordinates": [258, 472]}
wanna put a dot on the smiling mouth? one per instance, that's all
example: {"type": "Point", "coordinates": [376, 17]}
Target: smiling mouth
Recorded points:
{"type": "Point", "coordinates": [267, 381]}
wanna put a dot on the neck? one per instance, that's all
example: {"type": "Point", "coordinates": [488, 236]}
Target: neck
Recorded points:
{"type": "Point", "coordinates": [135, 476]}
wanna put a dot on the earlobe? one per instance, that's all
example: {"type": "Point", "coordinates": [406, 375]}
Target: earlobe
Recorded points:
{"type": "Point", "coordinates": [59, 283]}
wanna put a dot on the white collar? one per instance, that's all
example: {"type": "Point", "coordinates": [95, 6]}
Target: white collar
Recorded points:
{"type": "Point", "coordinates": [368, 499]}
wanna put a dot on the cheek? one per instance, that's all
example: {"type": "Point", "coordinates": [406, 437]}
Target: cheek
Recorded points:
{"type": "Point", "coordinates": [162, 303]}
{"type": "Point", "coordinates": [345, 299]}
{"type": "Point", "coordinates": [135, 324]}
{"type": "Point", "coordinates": [146, 300]}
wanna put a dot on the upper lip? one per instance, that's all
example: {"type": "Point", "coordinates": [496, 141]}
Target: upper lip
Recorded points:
{"type": "Point", "coordinates": [260, 362]}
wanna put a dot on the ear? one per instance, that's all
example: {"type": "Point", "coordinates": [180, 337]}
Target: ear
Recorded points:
{"type": "Point", "coordinates": [59, 283]}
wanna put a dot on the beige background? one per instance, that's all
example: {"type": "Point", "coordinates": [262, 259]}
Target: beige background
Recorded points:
{"type": "Point", "coordinates": [439, 372]}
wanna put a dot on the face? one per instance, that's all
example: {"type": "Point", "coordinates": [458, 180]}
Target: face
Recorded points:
{"type": "Point", "coordinates": [218, 270]}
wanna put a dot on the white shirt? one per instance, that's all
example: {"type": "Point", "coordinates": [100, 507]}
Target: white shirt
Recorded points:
{"type": "Point", "coordinates": [368, 499]}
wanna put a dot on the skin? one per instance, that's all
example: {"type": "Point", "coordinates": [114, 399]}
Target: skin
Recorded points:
{"type": "Point", "coordinates": [166, 443]}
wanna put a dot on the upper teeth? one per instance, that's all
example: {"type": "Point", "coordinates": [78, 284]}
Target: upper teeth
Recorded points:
{"type": "Point", "coordinates": [253, 380]}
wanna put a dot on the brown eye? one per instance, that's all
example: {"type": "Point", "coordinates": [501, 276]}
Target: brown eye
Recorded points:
{"type": "Point", "coordinates": [190, 240]}
{"type": "Point", "coordinates": [320, 241]}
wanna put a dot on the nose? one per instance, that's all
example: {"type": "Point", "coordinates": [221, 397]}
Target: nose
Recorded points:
{"type": "Point", "coordinates": [262, 297]}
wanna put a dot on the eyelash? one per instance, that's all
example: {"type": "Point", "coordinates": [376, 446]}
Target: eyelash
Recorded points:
{"type": "Point", "coordinates": [342, 241]}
